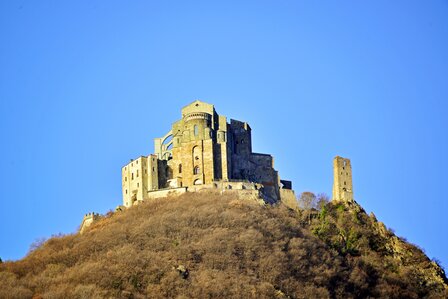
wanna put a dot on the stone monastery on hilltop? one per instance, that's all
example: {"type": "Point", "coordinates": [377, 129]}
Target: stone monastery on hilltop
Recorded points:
{"type": "Point", "coordinates": [203, 151]}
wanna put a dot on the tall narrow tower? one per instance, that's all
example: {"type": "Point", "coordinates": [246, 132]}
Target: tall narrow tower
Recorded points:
{"type": "Point", "coordinates": [342, 185]}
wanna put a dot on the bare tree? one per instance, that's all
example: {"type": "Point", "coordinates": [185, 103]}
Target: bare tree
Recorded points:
{"type": "Point", "coordinates": [307, 200]}
{"type": "Point", "coordinates": [322, 200]}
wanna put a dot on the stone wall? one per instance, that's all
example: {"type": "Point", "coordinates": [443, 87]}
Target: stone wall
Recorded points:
{"type": "Point", "coordinates": [288, 198]}
{"type": "Point", "coordinates": [166, 192]}
{"type": "Point", "coordinates": [88, 219]}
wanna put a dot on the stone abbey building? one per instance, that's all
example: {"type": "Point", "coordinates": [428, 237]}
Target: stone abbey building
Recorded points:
{"type": "Point", "coordinates": [203, 150]}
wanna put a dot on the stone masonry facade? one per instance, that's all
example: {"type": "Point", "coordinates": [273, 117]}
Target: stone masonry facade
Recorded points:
{"type": "Point", "coordinates": [203, 149]}
{"type": "Point", "coordinates": [342, 175]}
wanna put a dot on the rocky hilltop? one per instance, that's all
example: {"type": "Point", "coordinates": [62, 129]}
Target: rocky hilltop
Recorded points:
{"type": "Point", "coordinates": [208, 245]}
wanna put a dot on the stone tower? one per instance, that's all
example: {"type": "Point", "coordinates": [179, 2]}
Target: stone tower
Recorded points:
{"type": "Point", "coordinates": [342, 185]}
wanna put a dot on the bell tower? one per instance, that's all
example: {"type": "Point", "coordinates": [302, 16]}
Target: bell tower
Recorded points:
{"type": "Point", "coordinates": [342, 185]}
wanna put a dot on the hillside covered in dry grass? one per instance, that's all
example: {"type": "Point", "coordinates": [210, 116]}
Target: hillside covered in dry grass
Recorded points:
{"type": "Point", "coordinates": [207, 245]}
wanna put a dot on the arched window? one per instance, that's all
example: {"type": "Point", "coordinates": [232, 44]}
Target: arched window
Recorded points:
{"type": "Point", "coordinates": [196, 151]}
{"type": "Point", "coordinates": [196, 170]}
{"type": "Point", "coordinates": [180, 168]}
{"type": "Point", "coordinates": [196, 131]}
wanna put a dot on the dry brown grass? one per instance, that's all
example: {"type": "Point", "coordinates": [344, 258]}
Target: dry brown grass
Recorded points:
{"type": "Point", "coordinates": [231, 249]}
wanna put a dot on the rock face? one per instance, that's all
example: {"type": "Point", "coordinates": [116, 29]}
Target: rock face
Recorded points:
{"type": "Point", "coordinates": [212, 245]}
{"type": "Point", "coordinates": [365, 236]}
{"type": "Point", "coordinates": [404, 253]}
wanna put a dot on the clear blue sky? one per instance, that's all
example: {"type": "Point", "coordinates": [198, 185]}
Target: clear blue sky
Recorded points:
{"type": "Point", "coordinates": [86, 85]}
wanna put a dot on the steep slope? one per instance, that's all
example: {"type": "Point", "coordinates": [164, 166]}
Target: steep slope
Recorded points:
{"type": "Point", "coordinates": [207, 245]}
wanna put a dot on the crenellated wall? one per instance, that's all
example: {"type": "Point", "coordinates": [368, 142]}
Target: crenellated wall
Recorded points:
{"type": "Point", "coordinates": [88, 219]}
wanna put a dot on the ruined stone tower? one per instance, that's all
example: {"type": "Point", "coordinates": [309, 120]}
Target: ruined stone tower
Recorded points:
{"type": "Point", "coordinates": [342, 185]}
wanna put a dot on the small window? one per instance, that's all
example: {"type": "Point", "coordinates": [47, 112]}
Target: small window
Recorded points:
{"type": "Point", "coordinates": [132, 176]}
{"type": "Point", "coordinates": [153, 169]}
{"type": "Point", "coordinates": [126, 191]}
{"type": "Point", "coordinates": [137, 172]}
{"type": "Point", "coordinates": [146, 171]}
{"type": "Point", "coordinates": [180, 168]}
{"type": "Point", "coordinates": [125, 178]}
{"type": "Point", "coordinates": [196, 170]}
{"type": "Point", "coordinates": [196, 131]}
{"type": "Point", "coordinates": [136, 162]}
{"type": "Point", "coordinates": [345, 183]}
{"type": "Point", "coordinates": [138, 185]}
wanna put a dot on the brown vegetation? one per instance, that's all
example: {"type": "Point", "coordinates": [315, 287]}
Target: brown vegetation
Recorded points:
{"type": "Point", "coordinates": [207, 245]}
